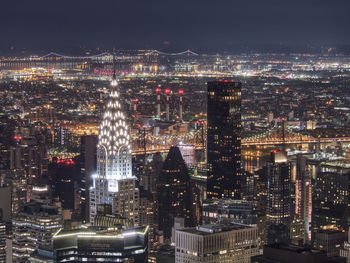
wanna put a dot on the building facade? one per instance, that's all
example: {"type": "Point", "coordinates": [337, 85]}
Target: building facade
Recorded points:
{"type": "Point", "coordinates": [278, 189]}
{"type": "Point", "coordinates": [113, 156]}
{"type": "Point", "coordinates": [224, 139]}
{"type": "Point", "coordinates": [303, 195]}
{"type": "Point", "coordinates": [33, 229]}
{"type": "Point", "coordinates": [216, 243]}
{"type": "Point", "coordinates": [176, 195]}
{"type": "Point", "coordinates": [97, 244]}
{"type": "Point", "coordinates": [228, 210]}
{"type": "Point", "coordinates": [330, 240]}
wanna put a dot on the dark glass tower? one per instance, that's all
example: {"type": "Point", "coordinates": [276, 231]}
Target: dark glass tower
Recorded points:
{"type": "Point", "coordinates": [175, 193]}
{"type": "Point", "coordinates": [224, 139]}
{"type": "Point", "coordinates": [88, 161]}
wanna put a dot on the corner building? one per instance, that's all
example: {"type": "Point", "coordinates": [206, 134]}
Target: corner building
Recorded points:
{"type": "Point", "coordinates": [224, 139]}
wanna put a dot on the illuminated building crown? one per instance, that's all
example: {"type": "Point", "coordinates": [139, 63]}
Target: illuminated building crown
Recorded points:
{"type": "Point", "coordinates": [113, 149]}
{"type": "Point", "coordinates": [114, 134]}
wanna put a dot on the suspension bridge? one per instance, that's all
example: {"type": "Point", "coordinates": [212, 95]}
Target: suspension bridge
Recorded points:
{"type": "Point", "coordinates": [54, 59]}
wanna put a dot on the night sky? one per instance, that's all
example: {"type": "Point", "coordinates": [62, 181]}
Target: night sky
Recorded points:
{"type": "Point", "coordinates": [172, 24]}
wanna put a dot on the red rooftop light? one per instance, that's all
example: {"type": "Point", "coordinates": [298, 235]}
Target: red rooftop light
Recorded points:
{"type": "Point", "coordinates": [167, 91]}
{"type": "Point", "coordinates": [181, 91]}
{"type": "Point", "coordinates": [158, 90]}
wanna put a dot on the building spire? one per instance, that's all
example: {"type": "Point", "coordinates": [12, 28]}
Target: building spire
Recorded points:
{"type": "Point", "coordinates": [114, 78]}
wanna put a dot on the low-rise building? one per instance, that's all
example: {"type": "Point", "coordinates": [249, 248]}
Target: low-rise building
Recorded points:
{"type": "Point", "coordinates": [216, 243]}
{"type": "Point", "coordinates": [95, 244]}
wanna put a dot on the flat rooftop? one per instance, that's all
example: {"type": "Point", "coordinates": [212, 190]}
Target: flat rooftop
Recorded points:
{"type": "Point", "coordinates": [214, 228]}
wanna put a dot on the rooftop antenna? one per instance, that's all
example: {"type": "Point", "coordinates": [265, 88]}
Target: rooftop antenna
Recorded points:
{"type": "Point", "coordinates": [114, 78]}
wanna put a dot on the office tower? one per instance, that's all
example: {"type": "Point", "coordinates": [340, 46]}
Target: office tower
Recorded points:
{"type": "Point", "coordinates": [127, 200]}
{"type": "Point", "coordinates": [288, 253]}
{"type": "Point", "coordinates": [167, 92]}
{"type": "Point", "coordinates": [228, 210]}
{"type": "Point", "coordinates": [34, 227]}
{"type": "Point", "coordinates": [147, 207]}
{"type": "Point", "coordinates": [181, 93]}
{"type": "Point", "coordinates": [114, 170]}
{"type": "Point", "coordinates": [29, 154]}
{"type": "Point", "coordinates": [216, 243]}
{"type": "Point", "coordinates": [175, 193]}
{"type": "Point", "coordinates": [278, 207]}
{"type": "Point", "coordinates": [278, 189]}
{"type": "Point", "coordinates": [149, 179]}
{"type": "Point", "coordinates": [297, 232]}
{"type": "Point", "coordinates": [331, 198]}
{"type": "Point", "coordinates": [330, 240]}
{"type": "Point", "coordinates": [5, 204]}
{"type": "Point", "coordinates": [224, 139]}
{"type": "Point", "coordinates": [101, 244]}
{"type": "Point", "coordinates": [148, 196]}
{"type": "Point", "coordinates": [2, 241]}
{"type": "Point", "coordinates": [88, 161]}
{"type": "Point", "coordinates": [64, 180]}
{"type": "Point", "coordinates": [28, 163]}
{"type": "Point", "coordinates": [19, 186]}
{"type": "Point", "coordinates": [345, 249]}
{"type": "Point", "coordinates": [303, 195]}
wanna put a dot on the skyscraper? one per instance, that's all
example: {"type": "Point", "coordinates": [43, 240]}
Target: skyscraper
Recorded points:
{"type": "Point", "coordinates": [303, 195]}
{"type": "Point", "coordinates": [2, 241]}
{"type": "Point", "coordinates": [278, 209]}
{"type": "Point", "coordinates": [34, 227]}
{"type": "Point", "coordinates": [278, 189]}
{"type": "Point", "coordinates": [216, 243]}
{"type": "Point", "coordinates": [224, 139]}
{"type": "Point", "coordinates": [175, 193]}
{"type": "Point", "coordinates": [330, 201]}
{"type": "Point", "coordinates": [113, 159]}
{"type": "Point", "coordinates": [88, 161]}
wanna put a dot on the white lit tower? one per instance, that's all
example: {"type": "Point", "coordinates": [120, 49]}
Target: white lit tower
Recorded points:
{"type": "Point", "coordinates": [181, 93]}
{"type": "Point", "coordinates": [158, 91]}
{"type": "Point", "coordinates": [114, 180]}
{"type": "Point", "coordinates": [167, 92]}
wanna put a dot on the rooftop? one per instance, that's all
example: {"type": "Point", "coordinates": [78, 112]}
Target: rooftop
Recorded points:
{"type": "Point", "coordinates": [214, 228]}
{"type": "Point", "coordinates": [98, 231]}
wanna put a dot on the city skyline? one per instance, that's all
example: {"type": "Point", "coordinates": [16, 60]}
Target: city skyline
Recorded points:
{"type": "Point", "coordinates": [175, 132]}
